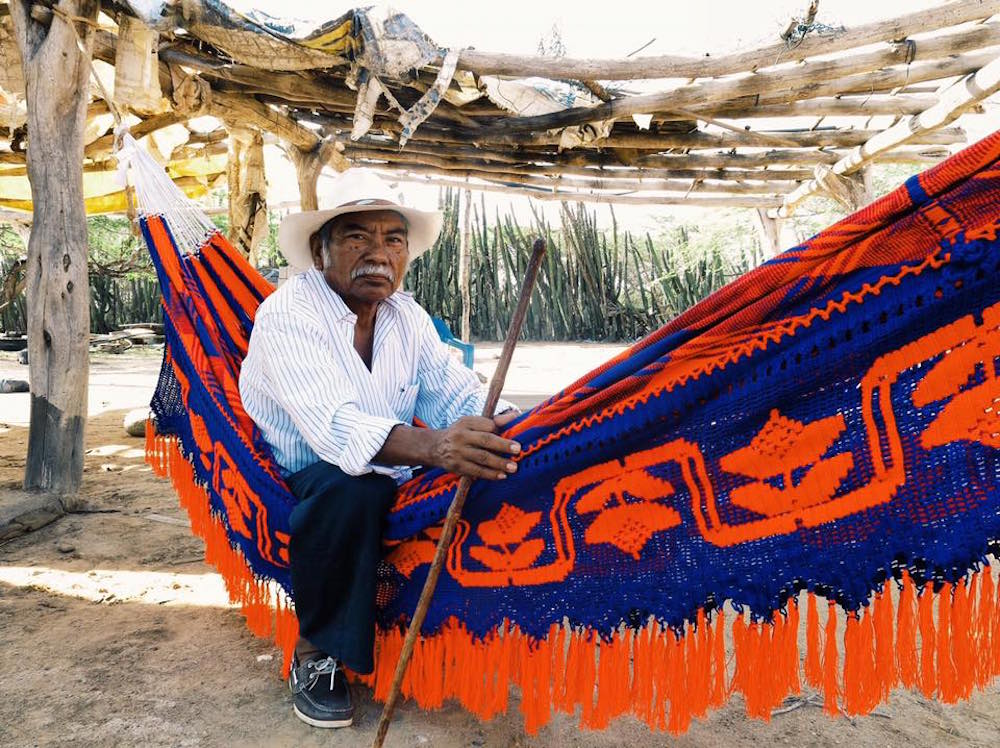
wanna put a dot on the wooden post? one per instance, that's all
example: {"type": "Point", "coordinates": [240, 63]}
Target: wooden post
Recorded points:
{"type": "Point", "coordinates": [56, 61]}
{"type": "Point", "coordinates": [307, 171]}
{"type": "Point", "coordinates": [247, 191]}
{"type": "Point", "coordinates": [309, 164]}
{"type": "Point", "coordinates": [465, 266]}
{"type": "Point", "coordinates": [851, 191]}
{"type": "Point", "coordinates": [770, 233]}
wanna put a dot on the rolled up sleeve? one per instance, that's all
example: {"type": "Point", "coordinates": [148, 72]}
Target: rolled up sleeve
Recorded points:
{"type": "Point", "coordinates": [306, 382]}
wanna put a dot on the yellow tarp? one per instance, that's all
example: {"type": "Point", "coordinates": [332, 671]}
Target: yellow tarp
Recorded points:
{"type": "Point", "coordinates": [102, 193]}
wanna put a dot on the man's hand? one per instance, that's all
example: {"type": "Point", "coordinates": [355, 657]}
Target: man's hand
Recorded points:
{"type": "Point", "coordinates": [471, 447]}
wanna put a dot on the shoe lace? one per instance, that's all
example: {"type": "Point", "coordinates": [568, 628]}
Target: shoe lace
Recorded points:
{"type": "Point", "coordinates": [314, 670]}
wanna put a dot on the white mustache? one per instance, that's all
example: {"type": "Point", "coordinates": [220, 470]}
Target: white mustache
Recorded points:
{"type": "Point", "coordinates": [384, 270]}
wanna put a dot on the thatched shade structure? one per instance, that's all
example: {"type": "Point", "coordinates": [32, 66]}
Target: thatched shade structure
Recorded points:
{"type": "Point", "coordinates": [370, 90]}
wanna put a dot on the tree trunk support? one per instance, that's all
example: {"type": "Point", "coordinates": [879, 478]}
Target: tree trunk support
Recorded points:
{"type": "Point", "coordinates": [770, 233]}
{"type": "Point", "coordinates": [309, 164]}
{"type": "Point", "coordinates": [307, 171]}
{"type": "Point", "coordinates": [852, 191]}
{"type": "Point", "coordinates": [247, 191]}
{"type": "Point", "coordinates": [55, 53]}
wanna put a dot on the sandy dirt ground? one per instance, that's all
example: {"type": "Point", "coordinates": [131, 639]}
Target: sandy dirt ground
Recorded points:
{"type": "Point", "coordinates": [113, 632]}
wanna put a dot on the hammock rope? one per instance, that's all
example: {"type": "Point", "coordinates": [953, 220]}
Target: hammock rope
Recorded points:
{"type": "Point", "coordinates": [823, 430]}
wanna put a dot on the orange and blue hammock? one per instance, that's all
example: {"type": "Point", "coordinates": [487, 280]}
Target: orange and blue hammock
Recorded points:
{"type": "Point", "coordinates": [816, 445]}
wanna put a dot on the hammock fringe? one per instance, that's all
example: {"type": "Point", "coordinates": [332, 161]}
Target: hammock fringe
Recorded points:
{"type": "Point", "coordinates": [662, 676]}
{"type": "Point", "coordinates": [268, 612]}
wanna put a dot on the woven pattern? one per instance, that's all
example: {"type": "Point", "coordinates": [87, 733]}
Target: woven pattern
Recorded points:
{"type": "Point", "coordinates": [825, 423]}
{"type": "Point", "coordinates": [814, 423]}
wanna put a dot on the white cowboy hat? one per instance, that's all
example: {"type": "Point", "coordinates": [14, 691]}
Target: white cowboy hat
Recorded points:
{"type": "Point", "coordinates": [355, 191]}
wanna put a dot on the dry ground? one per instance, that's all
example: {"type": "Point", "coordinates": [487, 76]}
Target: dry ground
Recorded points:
{"type": "Point", "coordinates": [113, 631]}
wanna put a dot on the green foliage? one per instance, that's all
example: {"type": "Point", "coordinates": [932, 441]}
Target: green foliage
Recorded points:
{"type": "Point", "coordinates": [123, 285]}
{"type": "Point", "coordinates": [595, 284]}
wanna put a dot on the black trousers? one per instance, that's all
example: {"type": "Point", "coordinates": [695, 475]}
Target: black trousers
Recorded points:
{"type": "Point", "coordinates": [334, 552]}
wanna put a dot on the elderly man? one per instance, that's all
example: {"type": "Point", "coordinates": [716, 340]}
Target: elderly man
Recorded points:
{"type": "Point", "coordinates": [340, 362]}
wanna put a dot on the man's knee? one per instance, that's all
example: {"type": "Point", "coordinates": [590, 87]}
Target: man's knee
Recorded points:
{"type": "Point", "coordinates": [366, 496]}
{"type": "Point", "coordinates": [330, 501]}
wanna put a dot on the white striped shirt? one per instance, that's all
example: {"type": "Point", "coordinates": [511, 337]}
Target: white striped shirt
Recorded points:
{"type": "Point", "coordinates": [304, 384]}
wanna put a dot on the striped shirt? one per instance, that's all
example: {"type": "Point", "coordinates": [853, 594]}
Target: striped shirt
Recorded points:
{"type": "Point", "coordinates": [304, 384]}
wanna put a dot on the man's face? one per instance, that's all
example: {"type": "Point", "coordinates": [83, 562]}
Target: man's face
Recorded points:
{"type": "Point", "coordinates": [365, 256]}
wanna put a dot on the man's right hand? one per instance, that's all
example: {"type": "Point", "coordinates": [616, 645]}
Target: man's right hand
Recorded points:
{"type": "Point", "coordinates": [471, 447]}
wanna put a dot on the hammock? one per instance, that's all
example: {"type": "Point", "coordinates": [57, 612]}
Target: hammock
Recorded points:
{"type": "Point", "coordinates": [814, 446]}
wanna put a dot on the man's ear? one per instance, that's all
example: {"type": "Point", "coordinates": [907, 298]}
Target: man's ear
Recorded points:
{"type": "Point", "coordinates": [316, 249]}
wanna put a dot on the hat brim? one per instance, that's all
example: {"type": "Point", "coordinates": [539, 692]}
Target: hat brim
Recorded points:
{"type": "Point", "coordinates": [423, 228]}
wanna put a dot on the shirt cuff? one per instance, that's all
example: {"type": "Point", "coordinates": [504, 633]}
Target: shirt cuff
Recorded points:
{"type": "Point", "coordinates": [503, 405]}
{"type": "Point", "coordinates": [368, 435]}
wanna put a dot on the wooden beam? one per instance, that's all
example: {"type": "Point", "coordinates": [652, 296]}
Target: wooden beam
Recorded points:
{"type": "Point", "coordinates": [888, 79]}
{"type": "Point", "coordinates": [307, 170]}
{"type": "Point", "coordinates": [298, 87]}
{"type": "Point", "coordinates": [218, 135]}
{"type": "Point", "coordinates": [104, 144]}
{"type": "Point", "coordinates": [242, 111]}
{"type": "Point", "coordinates": [714, 186]}
{"type": "Point", "coordinates": [953, 102]}
{"type": "Point", "coordinates": [672, 66]}
{"type": "Point", "coordinates": [853, 192]}
{"type": "Point", "coordinates": [692, 140]}
{"type": "Point", "coordinates": [593, 197]}
{"type": "Point", "coordinates": [247, 199]}
{"type": "Point", "coordinates": [770, 233]}
{"type": "Point", "coordinates": [827, 106]}
{"type": "Point", "coordinates": [751, 106]}
{"type": "Point", "coordinates": [771, 159]}
{"type": "Point", "coordinates": [771, 79]}
{"type": "Point", "coordinates": [287, 85]}
{"type": "Point", "coordinates": [441, 159]}
{"type": "Point", "coordinates": [648, 141]}
{"type": "Point", "coordinates": [864, 84]}
{"type": "Point", "coordinates": [245, 111]}
{"type": "Point", "coordinates": [765, 158]}
{"type": "Point", "coordinates": [191, 151]}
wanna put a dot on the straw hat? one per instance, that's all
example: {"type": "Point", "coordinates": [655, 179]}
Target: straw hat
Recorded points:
{"type": "Point", "coordinates": [355, 191]}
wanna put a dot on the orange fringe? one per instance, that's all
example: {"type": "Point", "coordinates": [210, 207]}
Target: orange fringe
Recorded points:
{"type": "Point", "coordinates": [267, 611]}
{"type": "Point", "coordinates": [928, 676]}
{"type": "Point", "coordinates": [812, 669]}
{"type": "Point", "coordinates": [985, 642]}
{"type": "Point", "coordinates": [831, 668]}
{"type": "Point", "coordinates": [906, 633]}
{"type": "Point", "coordinates": [663, 676]}
{"type": "Point", "coordinates": [885, 647]}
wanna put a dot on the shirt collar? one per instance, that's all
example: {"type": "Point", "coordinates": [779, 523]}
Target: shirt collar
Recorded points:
{"type": "Point", "coordinates": [340, 311]}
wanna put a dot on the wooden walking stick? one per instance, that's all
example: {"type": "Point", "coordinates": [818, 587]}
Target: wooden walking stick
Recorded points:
{"type": "Point", "coordinates": [455, 510]}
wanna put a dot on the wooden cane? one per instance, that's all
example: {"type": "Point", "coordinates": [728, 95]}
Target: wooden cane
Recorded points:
{"type": "Point", "coordinates": [455, 510]}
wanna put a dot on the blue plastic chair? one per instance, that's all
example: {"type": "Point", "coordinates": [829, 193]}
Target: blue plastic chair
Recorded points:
{"type": "Point", "coordinates": [444, 332]}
